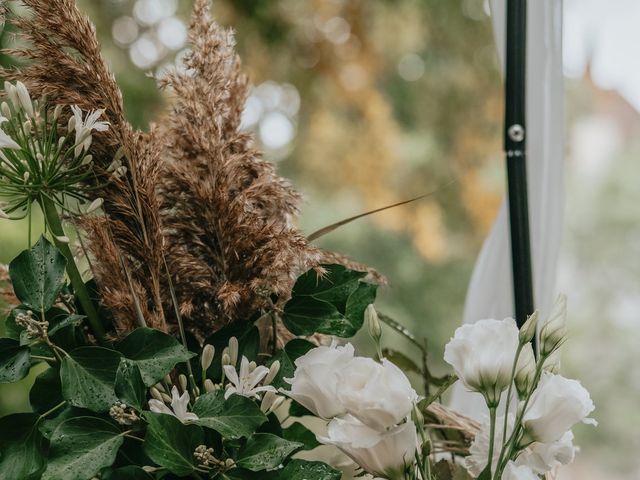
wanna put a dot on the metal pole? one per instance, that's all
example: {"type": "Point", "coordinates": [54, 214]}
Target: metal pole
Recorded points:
{"type": "Point", "coordinates": [515, 150]}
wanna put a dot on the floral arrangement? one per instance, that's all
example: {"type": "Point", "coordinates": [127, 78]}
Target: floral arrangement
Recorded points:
{"type": "Point", "coordinates": [183, 328]}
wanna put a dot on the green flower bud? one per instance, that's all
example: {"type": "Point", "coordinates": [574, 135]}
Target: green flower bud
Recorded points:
{"type": "Point", "coordinates": [208, 352]}
{"type": "Point", "coordinates": [528, 330]}
{"type": "Point", "coordinates": [373, 322]}
{"type": "Point", "coordinates": [554, 331]}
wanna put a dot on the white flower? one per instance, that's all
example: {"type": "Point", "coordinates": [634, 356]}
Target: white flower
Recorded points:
{"type": "Point", "coordinates": [544, 457]}
{"type": "Point", "coordinates": [24, 98]}
{"type": "Point", "coordinates": [179, 405]}
{"type": "Point", "coordinates": [246, 384]}
{"type": "Point", "coordinates": [5, 140]}
{"type": "Point", "coordinates": [525, 370]}
{"type": "Point", "coordinates": [482, 355]}
{"type": "Point", "coordinates": [384, 454]}
{"type": "Point", "coordinates": [85, 126]}
{"type": "Point", "coordinates": [314, 382]}
{"type": "Point", "coordinates": [476, 462]}
{"type": "Point", "coordinates": [556, 405]}
{"type": "Point", "coordinates": [379, 395]}
{"type": "Point", "coordinates": [518, 472]}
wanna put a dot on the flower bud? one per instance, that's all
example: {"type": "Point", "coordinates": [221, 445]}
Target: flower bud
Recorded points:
{"type": "Point", "coordinates": [87, 160]}
{"type": "Point", "coordinates": [160, 387]}
{"type": "Point", "coordinates": [525, 371]}
{"type": "Point", "coordinates": [267, 401]}
{"type": "Point", "coordinates": [24, 98]}
{"type": "Point", "coordinates": [252, 366]}
{"type": "Point", "coordinates": [273, 371]}
{"type": "Point", "coordinates": [6, 111]}
{"type": "Point", "coordinates": [165, 398]}
{"type": "Point", "coordinates": [226, 360]}
{"type": "Point", "coordinates": [167, 379]}
{"type": "Point", "coordinates": [233, 350]}
{"type": "Point", "coordinates": [155, 393]}
{"type": "Point", "coordinates": [208, 353]}
{"type": "Point", "coordinates": [56, 112]}
{"type": "Point", "coordinates": [26, 126]}
{"type": "Point", "coordinates": [26, 176]}
{"type": "Point", "coordinates": [528, 330]}
{"type": "Point", "coordinates": [209, 385]}
{"type": "Point", "coordinates": [554, 331]}
{"type": "Point", "coordinates": [417, 417]}
{"type": "Point", "coordinates": [373, 322]}
{"type": "Point", "coordinates": [182, 379]}
{"type": "Point", "coordinates": [96, 204]}
{"type": "Point", "coordinates": [61, 141]}
{"type": "Point", "coordinates": [10, 90]}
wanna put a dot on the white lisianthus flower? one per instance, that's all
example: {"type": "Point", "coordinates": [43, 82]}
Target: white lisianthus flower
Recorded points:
{"type": "Point", "coordinates": [544, 457]}
{"type": "Point", "coordinates": [512, 471]}
{"type": "Point", "coordinates": [482, 355]}
{"type": "Point", "coordinates": [314, 383]}
{"type": "Point", "coordinates": [377, 394]}
{"type": "Point", "coordinates": [476, 462]}
{"type": "Point", "coordinates": [246, 382]}
{"type": "Point", "coordinates": [384, 454]}
{"type": "Point", "coordinates": [556, 405]}
{"type": "Point", "coordinates": [179, 405]}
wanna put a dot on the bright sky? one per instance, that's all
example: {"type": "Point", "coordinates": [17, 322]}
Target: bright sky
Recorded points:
{"type": "Point", "coordinates": [608, 32]}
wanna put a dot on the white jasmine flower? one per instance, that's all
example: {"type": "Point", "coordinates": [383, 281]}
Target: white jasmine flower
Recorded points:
{"type": "Point", "coordinates": [179, 405]}
{"type": "Point", "coordinates": [482, 355]}
{"type": "Point", "coordinates": [384, 454]}
{"type": "Point", "coordinates": [246, 383]}
{"type": "Point", "coordinates": [377, 394]}
{"type": "Point", "coordinates": [544, 457]}
{"type": "Point", "coordinates": [476, 462]}
{"type": "Point", "coordinates": [556, 405]}
{"type": "Point", "coordinates": [518, 472]}
{"type": "Point", "coordinates": [84, 127]}
{"type": "Point", "coordinates": [314, 383]}
{"type": "Point", "coordinates": [5, 140]}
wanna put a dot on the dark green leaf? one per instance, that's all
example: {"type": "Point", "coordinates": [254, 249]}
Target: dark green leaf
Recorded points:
{"type": "Point", "coordinates": [297, 348]}
{"type": "Point", "coordinates": [401, 361]}
{"type": "Point", "coordinates": [485, 474]}
{"type": "Point", "coordinates": [264, 451]}
{"type": "Point", "coordinates": [88, 376]}
{"type": "Point", "coordinates": [297, 410]}
{"type": "Point", "coordinates": [233, 418]}
{"type": "Point", "coordinates": [155, 353]}
{"type": "Point", "coordinates": [15, 360]}
{"type": "Point", "coordinates": [46, 392]}
{"type": "Point", "coordinates": [286, 370]}
{"type": "Point", "coordinates": [333, 304]}
{"type": "Point", "coordinates": [171, 444]}
{"type": "Point", "coordinates": [126, 473]}
{"type": "Point", "coordinates": [81, 447]}
{"type": "Point", "coordinates": [245, 333]}
{"type": "Point", "coordinates": [37, 275]}
{"type": "Point", "coordinates": [22, 447]}
{"type": "Point", "coordinates": [305, 470]}
{"type": "Point", "coordinates": [297, 432]}
{"type": "Point", "coordinates": [67, 321]}
{"type": "Point", "coordinates": [129, 386]}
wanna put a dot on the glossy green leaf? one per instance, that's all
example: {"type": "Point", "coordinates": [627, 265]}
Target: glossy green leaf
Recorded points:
{"type": "Point", "coordinates": [233, 418]}
{"type": "Point", "coordinates": [264, 451]}
{"type": "Point", "coordinates": [130, 472]}
{"type": "Point", "coordinates": [15, 360]}
{"type": "Point", "coordinates": [22, 447]}
{"type": "Point", "coordinates": [88, 377]}
{"type": "Point", "coordinates": [170, 443]}
{"type": "Point", "coordinates": [81, 447]}
{"type": "Point", "coordinates": [297, 432]}
{"type": "Point", "coordinates": [155, 353]}
{"type": "Point", "coordinates": [129, 386]}
{"type": "Point", "coordinates": [67, 321]}
{"type": "Point", "coordinates": [46, 391]}
{"type": "Point", "coordinates": [37, 275]}
{"type": "Point", "coordinates": [304, 470]}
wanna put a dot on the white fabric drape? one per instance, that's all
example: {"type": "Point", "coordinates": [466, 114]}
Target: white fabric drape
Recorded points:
{"type": "Point", "coordinates": [490, 292]}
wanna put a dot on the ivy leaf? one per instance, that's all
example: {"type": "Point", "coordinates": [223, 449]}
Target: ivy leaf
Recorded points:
{"type": "Point", "coordinates": [171, 444]}
{"type": "Point", "coordinates": [292, 351]}
{"type": "Point", "coordinates": [46, 392]}
{"type": "Point", "coordinates": [155, 353]}
{"type": "Point", "coordinates": [81, 447]}
{"type": "Point", "coordinates": [129, 386]}
{"type": "Point", "coordinates": [15, 360]}
{"type": "Point", "coordinates": [69, 320]}
{"type": "Point", "coordinates": [22, 446]}
{"type": "Point", "coordinates": [297, 432]}
{"type": "Point", "coordinates": [130, 472]}
{"type": "Point", "coordinates": [234, 418]}
{"type": "Point", "coordinates": [333, 304]}
{"type": "Point", "coordinates": [37, 275]}
{"type": "Point", "coordinates": [264, 451]}
{"type": "Point", "coordinates": [304, 470]}
{"type": "Point", "coordinates": [88, 376]}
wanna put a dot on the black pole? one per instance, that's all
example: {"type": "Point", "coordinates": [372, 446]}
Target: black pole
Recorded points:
{"type": "Point", "coordinates": [515, 150]}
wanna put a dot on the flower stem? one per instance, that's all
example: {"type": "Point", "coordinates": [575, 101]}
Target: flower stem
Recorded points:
{"type": "Point", "coordinates": [492, 435]}
{"type": "Point", "coordinates": [82, 293]}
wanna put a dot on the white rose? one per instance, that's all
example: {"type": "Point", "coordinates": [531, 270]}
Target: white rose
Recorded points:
{"type": "Point", "coordinates": [556, 405]}
{"type": "Point", "coordinates": [315, 379]}
{"type": "Point", "coordinates": [384, 454]}
{"type": "Point", "coordinates": [379, 395]}
{"type": "Point", "coordinates": [518, 472]}
{"type": "Point", "coordinates": [544, 457]}
{"type": "Point", "coordinates": [482, 355]}
{"type": "Point", "coordinates": [476, 462]}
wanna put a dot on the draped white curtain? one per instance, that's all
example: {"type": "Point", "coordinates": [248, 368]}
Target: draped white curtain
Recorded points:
{"type": "Point", "coordinates": [490, 292]}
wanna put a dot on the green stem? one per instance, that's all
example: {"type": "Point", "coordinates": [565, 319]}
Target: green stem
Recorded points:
{"type": "Point", "coordinates": [49, 412]}
{"type": "Point", "coordinates": [80, 289]}
{"type": "Point", "coordinates": [492, 435]}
